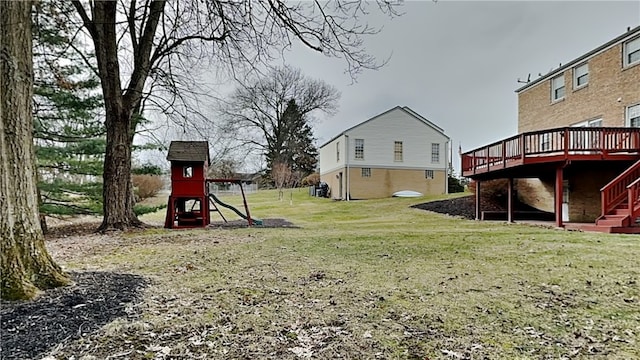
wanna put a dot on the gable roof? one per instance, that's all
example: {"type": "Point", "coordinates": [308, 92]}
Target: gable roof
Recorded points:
{"type": "Point", "coordinates": [620, 39]}
{"type": "Point", "coordinates": [405, 109]}
{"type": "Point", "coordinates": [196, 151]}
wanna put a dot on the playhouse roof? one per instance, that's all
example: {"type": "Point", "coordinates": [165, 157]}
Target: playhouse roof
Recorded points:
{"type": "Point", "coordinates": [192, 151]}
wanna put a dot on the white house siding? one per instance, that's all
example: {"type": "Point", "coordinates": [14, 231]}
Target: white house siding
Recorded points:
{"type": "Point", "coordinates": [380, 134]}
{"type": "Point", "coordinates": [328, 161]}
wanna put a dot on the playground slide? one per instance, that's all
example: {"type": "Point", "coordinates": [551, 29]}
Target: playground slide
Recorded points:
{"type": "Point", "coordinates": [217, 201]}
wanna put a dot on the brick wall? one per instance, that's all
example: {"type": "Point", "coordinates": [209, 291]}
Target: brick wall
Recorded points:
{"type": "Point", "coordinates": [384, 182]}
{"type": "Point", "coordinates": [609, 91]}
{"type": "Point", "coordinates": [585, 182]}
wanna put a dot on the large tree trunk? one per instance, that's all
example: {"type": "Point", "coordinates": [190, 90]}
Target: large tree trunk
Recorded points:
{"type": "Point", "coordinates": [26, 265]}
{"type": "Point", "coordinates": [117, 186]}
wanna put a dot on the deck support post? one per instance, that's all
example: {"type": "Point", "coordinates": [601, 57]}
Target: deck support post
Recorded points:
{"type": "Point", "coordinates": [478, 200]}
{"type": "Point", "coordinates": [558, 195]}
{"type": "Point", "coordinates": [510, 200]}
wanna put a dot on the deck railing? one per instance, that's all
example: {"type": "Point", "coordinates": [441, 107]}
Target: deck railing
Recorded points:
{"type": "Point", "coordinates": [553, 142]}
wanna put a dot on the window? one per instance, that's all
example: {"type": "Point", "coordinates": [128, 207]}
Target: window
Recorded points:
{"type": "Point", "coordinates": [366, 172]}
{"type": "Point", "coordinates": [632, 52]}
{"type": "Point", "coordinates": [397, 151]}
{"type": "Point", "coordinates": [187, 171]}
{"type": "Point", "coordinates": [338, 151]}
{"type": "Point", "coordinates": [557, 88]}
{"type": "Point", "coordinates": [585, 140]}
{"type": "Point", "coordinates": [580, 76]}
{"type": "Point", "coordinates": [435, 153]}
{"type": "Point", "coordinates": [545, 142]}
{"type": "Point", "coordinates": [428, 174]}
{"type": "Point", "coordinates": [633, 115]}
{"type": "Point", "coordinates": [359, 149]}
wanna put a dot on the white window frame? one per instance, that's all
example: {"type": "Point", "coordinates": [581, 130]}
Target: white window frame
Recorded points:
{"type": "Point", "coordinates": [557, 86]}
{"type": "Point", "coordinates": [338, 151]}
{"type": "Point", "coordinates": [187, 171]}
{"type": "Point", "coordinates": [365, 172]}
{"type": "Point", "coordinates": [578, 74]}
{"type": "Point", "coordinates": [636, 113]}
{"type": "Point", "coordinates": [398, 151]}
{"type": "Point", "coordinates": [545, 141]}
{"type": "Point", "coordinates": [359, 149]}
{"type": "Point", "coordinates": [435, 153]}
{"type": "Point", "coordinates": [631, 48]}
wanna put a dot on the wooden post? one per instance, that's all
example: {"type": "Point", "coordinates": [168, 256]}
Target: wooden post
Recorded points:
{"type": "Point", "coordinates": [558, 195]}
{"type": "Point", "coordinates": [510, 200]}
{"type": "Point", "coordinates": [477, 199]}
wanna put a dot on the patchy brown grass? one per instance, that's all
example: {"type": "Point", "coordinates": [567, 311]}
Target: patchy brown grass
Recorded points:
{"type": "Point", "coordinates": [366, 279]}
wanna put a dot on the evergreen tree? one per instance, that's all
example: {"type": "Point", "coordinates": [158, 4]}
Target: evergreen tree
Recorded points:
{"type": "Point", "coordinates": [69, 134]}
{"type": "Point", "coordinates": [298, 148]}
{"type": "Point", "coordinates": [292, 142]}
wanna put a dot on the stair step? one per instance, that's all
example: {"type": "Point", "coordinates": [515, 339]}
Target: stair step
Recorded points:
{"type": "Point", "coordinates": [613, 221]}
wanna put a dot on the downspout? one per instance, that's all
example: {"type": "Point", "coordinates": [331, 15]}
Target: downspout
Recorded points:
{"type": "Point", "coordinates": [348, 190]}
{"type": "Point", "coordinates": [446, 165]}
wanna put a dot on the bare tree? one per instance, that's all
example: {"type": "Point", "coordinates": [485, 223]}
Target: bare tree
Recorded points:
{"type": "Point", "coordinates": [271, 114]}
{"type": "Point", "coordinates": [163, 35]}
{"type": "Point", "coordinates": [25, 264]}
{"type": "Point", "coordinates": [282, 176]}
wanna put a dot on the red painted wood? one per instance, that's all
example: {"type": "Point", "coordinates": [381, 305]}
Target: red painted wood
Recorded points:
{"type": "Point", "coordinates": [558, 196]}
{"type": "Point", "coordinates": [561, 144]}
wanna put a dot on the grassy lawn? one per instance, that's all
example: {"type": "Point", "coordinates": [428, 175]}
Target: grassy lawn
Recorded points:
{"type": "Point", "coordinates": [370, 279]}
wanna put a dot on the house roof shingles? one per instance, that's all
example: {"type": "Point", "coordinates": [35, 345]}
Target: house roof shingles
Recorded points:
{"type": "Point", "coordinates": [196, 151]}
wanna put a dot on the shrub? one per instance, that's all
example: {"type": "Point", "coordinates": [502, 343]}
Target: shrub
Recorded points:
{"type": "Point", "coordinates": [311, 180]}
{"type": "Point", "coordinates": [146, 186]}
{"type": "Point", "coordinates": [455, 185]}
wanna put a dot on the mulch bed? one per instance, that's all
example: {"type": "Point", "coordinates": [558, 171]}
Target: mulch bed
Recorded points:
{"type": "Point", "coordinates": [266, 223]}
{"type": "Point", "coordinates": [465, 207]}
{"type": "Point", "coordinates": [30, 329]}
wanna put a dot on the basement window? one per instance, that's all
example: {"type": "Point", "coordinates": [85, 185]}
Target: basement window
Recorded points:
{"type": "Point", "coordinates": [428, 174]}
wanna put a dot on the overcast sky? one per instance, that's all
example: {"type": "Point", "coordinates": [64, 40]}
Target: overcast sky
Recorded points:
{"type": "Point", "coordinates": [457, 63]}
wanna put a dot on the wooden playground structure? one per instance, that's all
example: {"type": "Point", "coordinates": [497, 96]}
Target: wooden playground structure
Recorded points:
{"type": "Point", "coordinates": [191, 202]}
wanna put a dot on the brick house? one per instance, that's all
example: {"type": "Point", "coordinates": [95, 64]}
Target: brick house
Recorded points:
{"type": "Point", "coordinates": [393, 151]}
{"type": "Point", "coordinates": [577, 152]}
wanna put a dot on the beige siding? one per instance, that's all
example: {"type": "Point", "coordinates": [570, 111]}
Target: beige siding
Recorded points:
{"type": "Point", "coordinates": [610, 90]}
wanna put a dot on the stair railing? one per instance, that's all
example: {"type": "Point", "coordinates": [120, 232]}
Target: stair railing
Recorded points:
{"type": "Point", "coordinates": [615, 192]}
{"type": "Point", "coordinates": [633, 191]}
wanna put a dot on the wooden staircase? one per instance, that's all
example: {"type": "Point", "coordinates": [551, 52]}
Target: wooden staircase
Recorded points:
{"type": "Point", "coordinates": [621, 203]}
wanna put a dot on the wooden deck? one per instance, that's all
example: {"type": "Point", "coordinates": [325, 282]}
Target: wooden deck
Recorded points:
{"type": "Point", "coordinates": [552, 146]}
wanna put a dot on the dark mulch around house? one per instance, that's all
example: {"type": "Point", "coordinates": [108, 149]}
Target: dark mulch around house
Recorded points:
{"type": "Point", "coordinates": [466, 207]}
{"type": "Point", "coordinates": [29, 329]}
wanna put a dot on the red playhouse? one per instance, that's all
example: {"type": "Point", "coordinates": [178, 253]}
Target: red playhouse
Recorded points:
{"type": "Point", "coordinates": [190, 203]}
